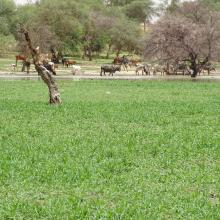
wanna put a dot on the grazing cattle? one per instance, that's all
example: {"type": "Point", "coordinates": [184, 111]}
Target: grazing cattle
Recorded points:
{"type": "Point", "coordinates": [20, 57]}
{"type": "Point", "coordinates": [158, 69]}
{"type": "Point", "coordinates": [13, 66]}
{"type": "Point", "coordinates": [169, 69]}
{"type": "Point", "coordinates": [75, 69]}
{"type": "Point", "coordinates": [123, 61]}
{"type": "Point", "coordinates": [67, 62]}
{"type": "Point", "coordinates": [181, 68]}
{"type": "Point", "coordinates": [111, 69]}
{"type": "Point", "coordinates": [64, 60]}
{"type": "Point", "coordinates": [209, 67]}
{"type": "Point", "coordinates": [117, 60]}
{"type": "Point", "coordinates": [26, 64]}
{"type": "Point", "coordinates": [143, 68]}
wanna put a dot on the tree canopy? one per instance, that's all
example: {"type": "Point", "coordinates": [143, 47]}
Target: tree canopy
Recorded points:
{"type": "Point", "coordinates": [190, 34]}
{"type": "Point", "coordinates": [74, 26]}
{"type": "Point", "coordinates": [90, 27]}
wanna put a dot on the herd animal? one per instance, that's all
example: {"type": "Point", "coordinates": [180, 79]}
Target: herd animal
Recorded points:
{"type": "Point", "coordinates": [118, 64]}
{"type": "Point", "coordinates": [111, 69]}
{"type": "Point", "coordinates": [75, 69]}
{"type": "Point", "coordinates": [209, 67]}
{"type": "Point", "coordinates": [66, 62]}
{"type": "Point", "coordinates": [143, 68]}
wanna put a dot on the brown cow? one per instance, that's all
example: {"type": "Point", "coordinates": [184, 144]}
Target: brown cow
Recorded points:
{"type": "Point", "coordinates": [69, 62]}
{"type": "Point", "coordinates": [20, 57]}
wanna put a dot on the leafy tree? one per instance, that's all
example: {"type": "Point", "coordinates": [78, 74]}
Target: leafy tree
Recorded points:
{"type": "Point", "coordinates": [118, 2]}
{"type": "Point", "coordinates": [213, 3]}
{"type": "Point", "coordinates": [124, 35]}
{"type": "Point", "coordinates": [141, 11]}
{"type": "Point", "coordinates": [23, 14]}
{"type": "Point", "coordinates": [7, 44]}
{"type": "Point", "coordinates": [7, 8]}
{"type": "Point", "coordinates": [4, 27]}
{"type": "Point", "coordinates": [73, 26]}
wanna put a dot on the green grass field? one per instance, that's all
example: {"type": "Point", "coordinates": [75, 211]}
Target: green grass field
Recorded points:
{"type": "Point", "coordinates": [112, 150]}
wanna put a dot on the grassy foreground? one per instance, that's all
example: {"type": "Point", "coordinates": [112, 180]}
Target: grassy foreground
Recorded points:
{"type": "Point", "coordinates": [112, 150]}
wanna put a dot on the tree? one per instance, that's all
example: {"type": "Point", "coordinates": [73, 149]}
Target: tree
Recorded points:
{"type": "Point", "coordinates": [7, 44]}
{"type": "Point", "coordinates": [66, 25]}
{"type": "Point", "coordinates": [173, 5]}
{"type": "Point", "coordinates": [215, 4]}
{"type": "Point", "coordinates": [85, 25]}
{"type": "Point", "coordinates": [124, 35]}
{"type": "Point", "coordinates": [91, 36]}
{"type": "Point", "coordinates": [103, 24]}
{"type": "Point", "coordinates": [117, 2]}
{"type": "Point", "coordinates": [4, 27]}
{"type": "Point", "coordinates": [192, 34]}
{"type": "Point", "coordinates": [42, 71]}
{"type": "Point", "coordinates": [140, 11]}
{"type": "Point", "coordinates": [41, 36]}
{"type": "Point", "coordinates": [7, 10]}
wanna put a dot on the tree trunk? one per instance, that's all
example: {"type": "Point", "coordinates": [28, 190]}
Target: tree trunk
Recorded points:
{"type": "Point", "coordinates": [23, 67]}
{"type": "Point", "coordinates": [48, 79]}
{"type": "Point", "coordinates": [194, 69]}
{"type": "Point", "coordinates": [90, 54]}
{"type": "Point", "coordinates": [108, 52]}
{"type": "Point", "coordinates": [144, 26]}
{"type": "Point", "coordinates": [194, 74]}
{"type": "Point", "coordinates": [46, 76]}
{"type": "Point", "coordinates": [118, 52]}
{"type": "Point", "coordinates": [84, 53]}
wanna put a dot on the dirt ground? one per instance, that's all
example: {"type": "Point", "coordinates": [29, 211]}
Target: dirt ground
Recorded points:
{"type": "Point", "coordinates": [95, 75]}
{"type": "Point", "coordinates": [93, 72]}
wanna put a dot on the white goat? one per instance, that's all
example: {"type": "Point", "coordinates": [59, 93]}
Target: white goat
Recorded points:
{"type": "Point", "coordinates": [13, 66]}
{"type": "Point", "coordinates": [75, 69]}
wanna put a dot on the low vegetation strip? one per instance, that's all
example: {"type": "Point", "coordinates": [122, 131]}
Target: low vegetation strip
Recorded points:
{"type": "Point", "coordinates": [112, 150]}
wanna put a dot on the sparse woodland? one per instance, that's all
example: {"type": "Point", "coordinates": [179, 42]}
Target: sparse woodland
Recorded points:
{"type": "Point", "coordinates": [88, 28]}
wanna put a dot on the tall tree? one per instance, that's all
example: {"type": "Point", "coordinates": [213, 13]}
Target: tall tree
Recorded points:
{"type": "Point", "coordinates": [192, 34]}
{"type": "Point", "coordinates": [141, 11]}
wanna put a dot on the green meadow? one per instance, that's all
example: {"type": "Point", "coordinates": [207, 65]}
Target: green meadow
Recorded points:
{"type": "Point", "coordinates": [112, 150]}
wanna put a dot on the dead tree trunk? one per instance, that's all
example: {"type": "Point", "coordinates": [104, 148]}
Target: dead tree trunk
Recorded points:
{"type": "Point", "coordinates": [46, 76]}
